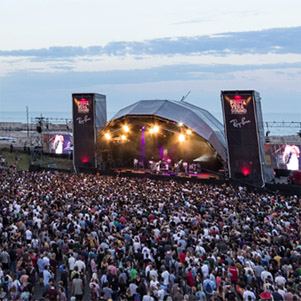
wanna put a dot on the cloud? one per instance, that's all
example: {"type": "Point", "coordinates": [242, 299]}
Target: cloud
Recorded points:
{"type": "Point", "coordinates": [267, 60]}
{"type": "Point", "coordinates": [69, 78]}
{"type": "Point", "coordinates": [51, 91]}
{"type": "Point", "coordinates": [213, 17]}
{"type": "Point", "coordinates": [276, 40]}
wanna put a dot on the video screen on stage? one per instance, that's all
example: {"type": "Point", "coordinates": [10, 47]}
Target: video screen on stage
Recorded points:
{"type": "Point", "coordinates": [283, 156]}
{"type": "Point", "coordinates": [56, 144]}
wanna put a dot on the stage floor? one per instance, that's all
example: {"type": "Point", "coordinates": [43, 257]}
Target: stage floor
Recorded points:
{"type": "Point", "coordinates": [202, 175]}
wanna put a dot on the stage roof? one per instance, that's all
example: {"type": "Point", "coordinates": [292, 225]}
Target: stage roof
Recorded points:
{"type": "Point", "coordinates": [199, 120]}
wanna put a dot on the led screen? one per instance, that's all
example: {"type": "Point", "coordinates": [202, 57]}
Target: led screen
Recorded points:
{"type": "Point", "coordinates": [57, 144]}
{"type": "Point", "coordinates": [283, 156]}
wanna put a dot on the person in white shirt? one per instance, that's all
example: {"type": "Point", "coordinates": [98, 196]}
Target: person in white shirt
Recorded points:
{"type": "Point", "coordinates": [159, 292]}
{"type": "Point", "coordinates": [136, 244]}
{"type": "Point", "coordinates": [46, 259]}
{"type": "Point", "coordinates": [165, 275]}
{"type": "Point", "coordinates": [80, 264]}
{"type": "Point", "coordinates": [153, 283]}
{"type": "Point", "coordinates": [28, 235]}
{"type": "Point", "coordinates": [148, 269]}
{"type": "Point", "coordinates": [248, 293]}
{"type": "Point", "coordinates": [265, 274]}
{"type": "Point", "coordinates": [35, 242]}
{"type": "Point", "coordinates": [71, 262]}
{"type": "Point", "coordinates": [280, 280]}
{"type": "Point", "coordinates": [133, 288]}
{"type": "Point", "coordinates": [148, 297]}
{"type": "Point", "coordinates": [145, 251]}
{"type": "Point", "coordinates": [205, 270]}
{"type": "Point", "coordinates": [154, 273]}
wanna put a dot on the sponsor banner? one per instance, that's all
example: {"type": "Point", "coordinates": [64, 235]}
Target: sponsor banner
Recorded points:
{"type": "Point", "coordinates": [241, 130]}
{"type": "Point", "coordinates": [83, 130]}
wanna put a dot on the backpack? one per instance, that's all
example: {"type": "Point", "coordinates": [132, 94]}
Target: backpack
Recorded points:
{"type": "Point", "coordinates": [219, 271]}
{"type": "Point", "coordinates": [137, 297]}
{"type": "Point", "coordinates": [173, 264]}
{"type": "Point", "coordinates": [200, 296]}
{"type": "Point", "coordinates": [208, 288]}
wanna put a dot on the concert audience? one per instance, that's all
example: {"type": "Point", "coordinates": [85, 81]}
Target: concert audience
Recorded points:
{"type": "Point", "coordinates": [90, 237]}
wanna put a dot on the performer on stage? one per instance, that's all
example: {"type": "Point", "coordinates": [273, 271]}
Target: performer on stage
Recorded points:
{"type": "Point", "coordinates": [158, 167]}
{"type": "Point", "coordinates": [185, 165]}
{"type": "Point", "coordinates": [136, 164]}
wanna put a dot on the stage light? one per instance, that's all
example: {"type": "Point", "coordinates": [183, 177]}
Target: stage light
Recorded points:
{"type": "Point", "coordinates": [188, 132]}
{"type": "Point", "coordinates": [123, 137]}
{"type": "Point", "coordinates": [180, 123]}
{"type": "Point", "coordinates": [181, 138]}
{"type": "Point", "coordinates": [246, 170]}
{"type": "Point", "coordinates": [126, 128]}
{"type": "Point", "coordinates": [108, 136]}
{"type": "Point", "coordinates": [85, 160]}
{"type": "Point", "coordinates": [154, 130]}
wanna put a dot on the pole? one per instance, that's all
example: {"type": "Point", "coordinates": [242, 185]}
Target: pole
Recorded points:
{"type": "Point", "coordinates": [27, 117]}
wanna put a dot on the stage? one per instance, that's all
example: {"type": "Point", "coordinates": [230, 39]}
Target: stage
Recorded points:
{"type": "Point", "coordinates": [203, 175]}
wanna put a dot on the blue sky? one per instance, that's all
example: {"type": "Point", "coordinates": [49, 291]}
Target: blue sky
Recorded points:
{"type": "Point", "coordinates": [133, 50]}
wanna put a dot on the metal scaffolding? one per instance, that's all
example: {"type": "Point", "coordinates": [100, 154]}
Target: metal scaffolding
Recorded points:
{"type": "Point", "coordinates": [282, 124]}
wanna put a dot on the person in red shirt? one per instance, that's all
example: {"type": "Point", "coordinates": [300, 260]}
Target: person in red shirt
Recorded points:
{"type": "Point", "coordinates": [182, 257]}
{"type": "Point", "coordinates": [190, 278]}
{"type": "Point", "coordinates": [151, 218]}
{"type": "Point", "coordinates": [233, 271]}
{"type": "Point", "coordinates": [34, 259]}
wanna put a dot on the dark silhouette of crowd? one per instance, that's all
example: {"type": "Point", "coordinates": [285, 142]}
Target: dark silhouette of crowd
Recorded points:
{"type": "Point", "coordinates": [91, 237]}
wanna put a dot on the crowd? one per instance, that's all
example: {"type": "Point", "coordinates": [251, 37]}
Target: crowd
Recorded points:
{"type": "Point", "coordinates": [91, 237]}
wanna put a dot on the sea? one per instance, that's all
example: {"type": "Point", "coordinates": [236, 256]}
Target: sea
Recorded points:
{"type": "Point", "coordinates": [289, 126]}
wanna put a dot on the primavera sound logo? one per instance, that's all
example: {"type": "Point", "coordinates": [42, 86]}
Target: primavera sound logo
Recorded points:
{"type": "Point", "coordinates": [83, 105]}
{"type": "Point", "coordinates": [238, 104]}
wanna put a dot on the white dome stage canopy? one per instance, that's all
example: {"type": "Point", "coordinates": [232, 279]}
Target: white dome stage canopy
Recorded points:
{"type": "Point", "coordinates": [195, 118]}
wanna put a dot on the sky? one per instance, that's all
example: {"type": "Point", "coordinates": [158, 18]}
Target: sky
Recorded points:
{"type": "Point", "coordinates": [133, 50]}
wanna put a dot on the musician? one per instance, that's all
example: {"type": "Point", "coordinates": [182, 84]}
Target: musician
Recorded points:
{"type": "Point", "coordinates": [158, 167]}
{"type": "Point", "coordinates": [136, 161]}
{"type": "Point", "coordinates": [291, 157]}
{"type": "Point", "coordinates": [185, 165]}
{"type": "Point", "coordinates": [151, 165]}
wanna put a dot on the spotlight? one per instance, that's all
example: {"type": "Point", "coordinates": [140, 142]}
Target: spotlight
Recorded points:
{"type": "Point", "coordinates": [123, 137]}
{"type": "Point", "coordinates": [156, 129]}
{"type": "Point", "coordinates": [180, 123]}
{"type": "Point", "coordinates": [108, 136]}
{"type": "Point", "coordinates": [126, 128]}
{"type": "Point", "coordinates": [181, 138]}
{"type": "Point", "coordinates": [188, 132]}
{"type": "Point", "coordinates": [151, 131]}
